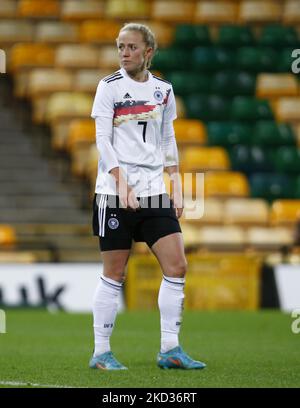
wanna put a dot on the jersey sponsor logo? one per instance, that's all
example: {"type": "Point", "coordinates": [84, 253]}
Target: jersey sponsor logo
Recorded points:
{"type": "Point", "coordinates": [127, 96]}
{"type": "Point", "coordinates": [158, 95]}
{"type": "Point", "coordinates": [113, 223]}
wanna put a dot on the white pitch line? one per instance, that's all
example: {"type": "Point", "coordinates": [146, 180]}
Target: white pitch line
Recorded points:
{"type": "Point", "coordinates": [30, 384]}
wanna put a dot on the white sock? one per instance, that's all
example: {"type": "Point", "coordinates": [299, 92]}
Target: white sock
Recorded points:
{"type": "Point", "coordinates": [170, 302]}
{"type": "Point", "coordinates": [105, 306]}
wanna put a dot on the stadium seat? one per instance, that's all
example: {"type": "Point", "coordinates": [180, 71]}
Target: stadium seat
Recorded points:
{"type": "Point", "coordinates": [246, 211]}
{"type": "Point", "coordinates": [189, 131]}
{"type": "Point", "coordinates": [216, 12]}
{"type": "Point", "coordinates": [55, 32]}
{"type": "Point", "coordinates": [213, 213]}
{"type": "Point", "coordinates": [278, 36]}
{"type": "Point", "coordinates": [86, 80]}
{"type": "Point", "coordinates": [285, 60]}
{"type": "Point", "coordinates": [43, 81]}
{"type": "Point", "coordinates": [230, 35]}
{"type": "Point", "coordinates": [204, 59]}
{"type": "Point", "coordinates": [204, 158]}
{"type": "Point", "coordinates": [119, 9]}
{"type": "Point", "coordinates": [255, 11]}
{"type": "Point", "coordinates": [168, 59]}
{"type": "Point", "coordinates": [99, 31]}
{"type": "Point", "coordinates": [8, 9]}
{"type": "Point", "coordinates": [191, 35]}
{"type": "Point", "coordinates": [272, 186]}
{"type": "Point", "coordinates": [70, 56]}
{"type": "Point", "coordinates": [108, 58]}
{"type": "Point", "coordinates": [7, 235]}
{"type": "Point", "coordinates": [270, 133]}
{"type": "Point", "coordinates": [285, 212]}
{"type": "Point", "coordinates": [275, 85]}
{"type": "Point", "coordinates": [291, 12]}
{"type": "Point", "coordinates": [287, 109]}
{"type": "Point", "coordinates": [74, 10]}
{"type": "Point", "coordinates": [185, 83]}
{"type": "Point", "coordinates": [249, 159]}
{"type": "Point", "coordinates": [207, 108]}
{"type": "Point", "coordinates": [180, 107]}
{"type": "Point", "coordinates": [296, 134]}
{"type": "Point", "coordinates": [14, 31]}
{"type": "Point", "coordinates": [232, 83]}
{"type": "Point", "coordinates": [68, 105]}
{"type": "Point", "coordinates": [287, 159]}
{"type": "Point", "coordinates": [92, 166]}
{"type": "Point", "coordinates": [38, 9]}
{"type": "Point", "coordinates": [164, 32]}
{"type": "Point", "coordinates": [251, 109]}
{"type": "Point", "coordinates": [268, 238]}
{"type": "Point", "coordinates": [31, 55]}
{"type": "Point", "coordinates": [174, 11]}
{"type": "Point", "coordinates": [228, 133]}
{"type": "Point", "coordinates": [257, 59]}
{"type": "Point", "coordinates": [221, 236]}
{"type": "Point", "coordinates": [225, 184]}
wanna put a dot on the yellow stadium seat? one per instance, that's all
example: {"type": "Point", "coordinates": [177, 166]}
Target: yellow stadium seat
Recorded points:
{"type": "Point", "coordinates": [164, 33]}
{"type": "Point", "coordinates": [108, 57]}
{"type": "Point", "coordinates": [226, 184]}
{"type": "Point", "coordinates": [256, 11]}
{"type": "Point", "coordinates": [7, 235]}
{"type": "Point", "coordinates": [217, 237]}
{"type": "Point", "coordinates": [296, 129]}
{"type": "Point", "coordinates": [190, 235]}
{"type": "Point", "coordinates": [13, 31]}
{"type": "Point", "coordinates": [216, 12]}
{"type": "Point", "coordinates": [38, 9]}
{"type": "Point", "coordinates": [268, 238]}
{"type": "Point", "coordinates": [205, 158]}
{"type": "Point", "coordinates": [190, 131]}
{"type": "Point", "coordinates": [99, 32]}
{"type": "Point", "coordinates": [31, 55]}
{"type": "Point", "coordinates": [209, 211]}
{"type": "Point", "coordinates": [291, 12]}
{"type": "Point", "coordinates": [74, 10]}
{"type": "Point", "coordinates": [8, 8]}
{"type": "Point", "coordinates": [173, 10]}
{"type": "Point", "coordinates": [56, 32]}
{"type": "Point", "coordinates": [274, 85]}
{"type": "Point", "coordinates": [44, 81]}
{"type": "Point", "coordinates": [180, 108]}
{"type": "Point", "coordinates": [287, 109]}
{"type": "Point", "coordinates": [246, 211]}
{"type": "Point", "coordinates": [86, 80]}
{"type": "Point", "coordinates": [68, 105]}
{"type": "Point", "coordinates": [71, 56]}
{"type": "Point", "coordinates": [285, 212]}
{"type": "Point", "coordinates": [120, 9]}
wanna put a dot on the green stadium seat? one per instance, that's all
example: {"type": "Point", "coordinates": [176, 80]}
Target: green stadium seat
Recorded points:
{"type": "Point", "coordinates": [185, 83]}
{"type": "Point", "coordinates": [256, 59]}
{"type": "Point", "coordinates": [251, 109]}
{"type": "Point", "coordinates": [212, 58]}
{"type": "Point", "coordinates": [285, 60]}
{"type": "Point", "coordinates": [171, 59]}
{"type": "Point", "coordinates": [270, 133]}
{"type": "Point", "coordinates": [228, 133]}
{"type": "Point", "coordinates": [234, 83]}
{"type": "Point", "coordinates": [207, 108]}
{"type": "Point", "coordinates": [272, 186]}
{"type": "Point", "coordinates": [276, 35]}
{"type": "Point", "coordinates": [250, 159]}
{"type": "Point", "coordinates": [287, 159]}
{"type": "Point", "coordinates": [235, 36]}
{"type": "Point", "coordinates": [190, 35]}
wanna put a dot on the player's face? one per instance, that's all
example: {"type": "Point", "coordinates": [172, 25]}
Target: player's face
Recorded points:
{"type": "Point", "coordinates": [133, 52]}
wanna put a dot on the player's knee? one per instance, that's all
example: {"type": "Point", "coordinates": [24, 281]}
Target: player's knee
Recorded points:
{"type": "Point", "coordinates": [117, 275]}
{"type": "Point", "coordinates": [178, 270]}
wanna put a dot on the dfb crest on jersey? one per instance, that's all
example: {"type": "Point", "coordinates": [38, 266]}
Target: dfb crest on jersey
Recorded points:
{"type": "Point", "coordinates": [158, 96]}
{"type": "Point", "coordinates": [113, 223]}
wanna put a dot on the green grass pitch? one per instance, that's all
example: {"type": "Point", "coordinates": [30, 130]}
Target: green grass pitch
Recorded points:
{"type": "Point", "coordinates": [241, 349]}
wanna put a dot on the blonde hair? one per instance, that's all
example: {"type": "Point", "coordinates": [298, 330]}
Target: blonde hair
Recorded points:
{"type": "Point", "coordinates": [148, 37]}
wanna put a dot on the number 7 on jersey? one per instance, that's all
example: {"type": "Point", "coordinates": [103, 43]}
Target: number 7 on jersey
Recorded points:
{"type": "Point", "coordinates": [144, 129]}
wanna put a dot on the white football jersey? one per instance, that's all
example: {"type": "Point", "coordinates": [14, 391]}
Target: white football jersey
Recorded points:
{"type": "Point", "coordinates": [137, 111]}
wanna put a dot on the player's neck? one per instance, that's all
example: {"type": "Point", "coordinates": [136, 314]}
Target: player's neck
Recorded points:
{"type": "Point", "coordinates": [139, 76]}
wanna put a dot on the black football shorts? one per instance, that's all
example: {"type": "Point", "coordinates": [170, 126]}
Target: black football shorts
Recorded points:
{"type": "Point", "coordinates": [117, 227]}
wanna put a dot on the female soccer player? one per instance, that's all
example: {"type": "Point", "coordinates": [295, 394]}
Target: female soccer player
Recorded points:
{"type": "Point", "coordinates": [134, 112]}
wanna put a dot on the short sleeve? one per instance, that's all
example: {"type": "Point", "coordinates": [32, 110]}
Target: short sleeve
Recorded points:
{"type": "Point", "coordinates": [170, 109]}
{"type": "Point", "coordinates": [103, 103]}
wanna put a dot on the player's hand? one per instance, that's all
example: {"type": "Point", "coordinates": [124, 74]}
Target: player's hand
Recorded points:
{"type": "Point", "coordinates": [128, 198]}
{"type": "Point", "coordinates": [178, 205]}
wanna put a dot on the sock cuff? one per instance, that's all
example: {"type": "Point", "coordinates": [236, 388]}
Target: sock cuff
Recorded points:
{"type": "Point", "coordinates": [112, 283]}
{"type": "Point", "coordinates": [176, 281]}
